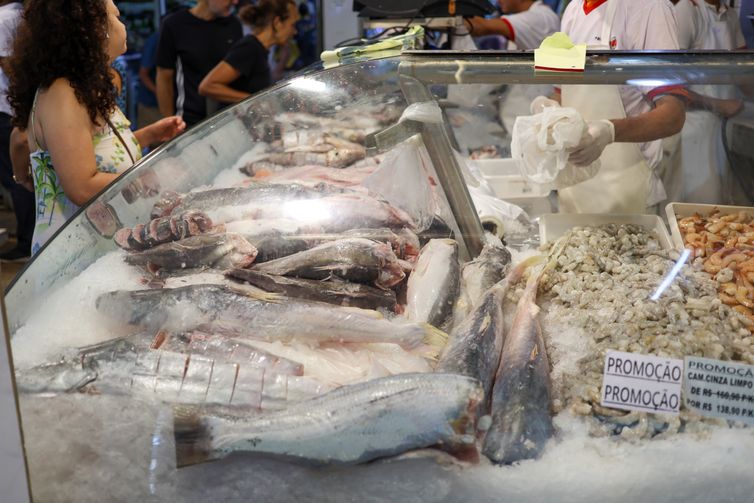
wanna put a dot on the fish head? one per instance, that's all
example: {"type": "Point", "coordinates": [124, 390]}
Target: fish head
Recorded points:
{"type": "Point", "coordinates": [243, 253]}
{"type": "Point", "coordinates": [132, 307]}
{"type": "Point", "coordinates": [53, 378]}
{"type": "Point", "coordinates": [408, 245]}
{"type": "Point", "coordinates": [343, 157]}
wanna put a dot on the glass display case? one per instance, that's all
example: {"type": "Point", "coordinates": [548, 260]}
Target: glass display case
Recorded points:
{"type": "Point", "coordinates": [396, 280]}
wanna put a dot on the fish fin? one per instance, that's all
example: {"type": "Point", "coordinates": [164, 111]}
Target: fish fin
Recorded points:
{"type": "Point", "coordinates": [256, 293]}
{"type": "Point", "coordinates": [436, 339]}
{"type": "Point", "coordinates": [192, 439]}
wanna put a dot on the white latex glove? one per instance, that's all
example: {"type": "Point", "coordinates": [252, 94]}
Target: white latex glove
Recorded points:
{"type": "Point", "coordinates": [598, 135]}
{"type": "Point", "coordinates": [540, 103]}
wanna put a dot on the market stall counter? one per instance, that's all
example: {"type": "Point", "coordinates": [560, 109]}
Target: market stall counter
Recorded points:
{"type": "Point", "coordinates": [362, 285]}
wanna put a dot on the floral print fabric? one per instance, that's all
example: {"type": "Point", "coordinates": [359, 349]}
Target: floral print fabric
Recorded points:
{"type": "Point", "coordinates": [53, 207]}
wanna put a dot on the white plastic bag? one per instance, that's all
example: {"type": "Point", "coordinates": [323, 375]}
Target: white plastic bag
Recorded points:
{"type": "Point", "coordinates": [541, 144]}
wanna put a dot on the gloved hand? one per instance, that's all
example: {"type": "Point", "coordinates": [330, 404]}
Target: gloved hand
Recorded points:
{"type": "Point", "coordinates": [540, 103]}
{"type": "Point", "coordinates": [599, 134]}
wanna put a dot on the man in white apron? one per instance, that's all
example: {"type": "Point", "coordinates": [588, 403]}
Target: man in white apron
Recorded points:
{"type": "Point", "coordinates": [626, 123]}
{"type": "Point", "coordinates": [706, 174]}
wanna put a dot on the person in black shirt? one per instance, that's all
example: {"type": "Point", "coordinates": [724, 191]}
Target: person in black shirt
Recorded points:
{"type": "Point", "coordinates": [245, 69]}
{"type": "Point", "coordinates": [191, 43]}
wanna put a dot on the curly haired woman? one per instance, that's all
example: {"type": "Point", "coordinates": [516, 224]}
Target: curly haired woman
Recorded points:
{"type": "Point", "coordinates": [61, 90]}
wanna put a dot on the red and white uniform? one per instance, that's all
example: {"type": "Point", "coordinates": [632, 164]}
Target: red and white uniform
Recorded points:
{"type": "Point", "coordinates": [693, 24]}
{"type": "Point", "coordinates": [530, 27]}
{"type": "Point", "coordinates": [636, 25]}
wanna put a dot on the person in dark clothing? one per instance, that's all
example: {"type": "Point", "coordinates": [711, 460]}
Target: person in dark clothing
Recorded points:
{"type": "Point", "coordinates": [23, 200]}
{"type": "Point", "coordinates": [191, 43]}
{"type": "Point", "coordinates": [306, 37]}
{"type": "Point", "coordinates": [245, 69]}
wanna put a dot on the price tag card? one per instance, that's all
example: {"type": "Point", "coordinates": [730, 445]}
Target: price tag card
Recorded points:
{"type": "Point", "coordinates": [642, 383]}
{"type": "Point", "coordinates": [715, 388]}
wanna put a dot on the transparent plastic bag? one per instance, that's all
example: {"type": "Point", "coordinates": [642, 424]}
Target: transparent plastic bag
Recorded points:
{"type": "Point", "coordinates": [541, 145]}
{"type": "Point", "coordinates": [404, 179]}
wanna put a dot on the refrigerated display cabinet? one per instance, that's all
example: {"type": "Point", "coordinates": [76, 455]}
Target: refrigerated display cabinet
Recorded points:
{"type": "Point", "coordinates": [375, 151]}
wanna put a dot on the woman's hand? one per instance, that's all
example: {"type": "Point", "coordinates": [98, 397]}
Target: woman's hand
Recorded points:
{"type": "Point", "coordinates": [160, 131]}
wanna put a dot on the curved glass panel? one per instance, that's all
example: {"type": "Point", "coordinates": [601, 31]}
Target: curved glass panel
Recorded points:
{"type": "Point", "coordinates": [409, 271]}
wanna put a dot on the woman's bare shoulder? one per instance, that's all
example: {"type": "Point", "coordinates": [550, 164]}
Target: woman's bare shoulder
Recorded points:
{"type": "Point", "coordinates": [61, 97]}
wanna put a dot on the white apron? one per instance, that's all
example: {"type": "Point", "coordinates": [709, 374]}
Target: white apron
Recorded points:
{"type": "Point", "coordinates": [622, 184]}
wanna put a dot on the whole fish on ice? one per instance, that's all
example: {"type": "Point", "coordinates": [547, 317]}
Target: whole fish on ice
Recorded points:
{"type": "Point", "coordinates": [171, 203]}
{"type": "Point", "coordinates": [252, 315]}
{"type": "Point", "coordinates": [352, 424]}
{"type": "Point", "coordinates": [136, 365]}
{"type": "Point", "coordinates": [475, 345]}
{"type": "Point", "coordinates": [521, 396]}
{"type": "Point", "coordinates": [434, 283]}
{"type": "Point", "coordinates": [355, 259]}
{"type": "Point", "coordinates": [333, 291]}
{"type": "Point", "coordinates": [220, 251]}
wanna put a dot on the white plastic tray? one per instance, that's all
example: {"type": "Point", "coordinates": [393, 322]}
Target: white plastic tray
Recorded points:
{"type": "Point", "coordinates": [554, 225]}
{"type": "Point", "coordinates": [675, 211]}
{"type": "Point", "coordinates": [506, 182]}
{"type": "Point", "coordinates": [497, 167]}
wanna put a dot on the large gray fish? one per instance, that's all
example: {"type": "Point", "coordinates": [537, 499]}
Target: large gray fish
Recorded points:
{"type": "Point", "coordinates": [310, 174]}
{"type": "Point", "coordinates": [129, 366]}
{"type": "Point", "coordinates": [352, 424]}
{"type": "Point", "coordinates": [434, 283]}
{"type": "Point", "coordinates": [334, 212]}
{"type": "Point", "coordinates": [521, 404]}
{"type": "Point", "coordinates": [355, 259]}
{"type": "Point", "coordinates": [220, 251]}
{"type": "Point", "coordinates": [334, 291]}
{"type": "Point", "coordinates": [211, 199]}
{"type": "Point", "coordinates": [475, 345]}
{"type": "Point", "coordinates": [251, 315]}
{"type": "Point", "coordinates": [404, 242]}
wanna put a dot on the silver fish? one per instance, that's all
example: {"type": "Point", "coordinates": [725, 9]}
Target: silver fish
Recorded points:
{"type": "Point", "coordinates": [334, 212]}
{"type": "Point", "coordinates": [247, 314]}
{"type": "Point", "coordinates": [481, 273]}
{"type": "Point", "coordinates": [334, 291]}
{"type": "Point", "coordinates": [475, 345]}
{"type": "Point", "coordinates": [220, 251]}
{"type": "Point", "coordinates": [171, 203]}
{"type": "Point", "coordinates": [355, 259]}
{"type": "Point", "coordinates": [434, 283]}
{"type": "Point", "coordinates": [521, 396]}
{"type": "Point", "coordinates": [309, 174]}
{"type": "Point", "coordinates": [404, 242]}
{"type": "Point", "coordinates": [126, 366]}
{"type": "Point", "coordinates": [352, 424]}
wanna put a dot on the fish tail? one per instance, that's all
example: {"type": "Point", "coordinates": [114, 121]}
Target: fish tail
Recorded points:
{"type": "Point", "coordinates": [435, 340]}
{"type": "Point", "coordinates": [193, 443]}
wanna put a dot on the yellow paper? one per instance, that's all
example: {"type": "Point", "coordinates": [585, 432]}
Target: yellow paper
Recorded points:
{"type": "Point", "coordinates": [558, 53]}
